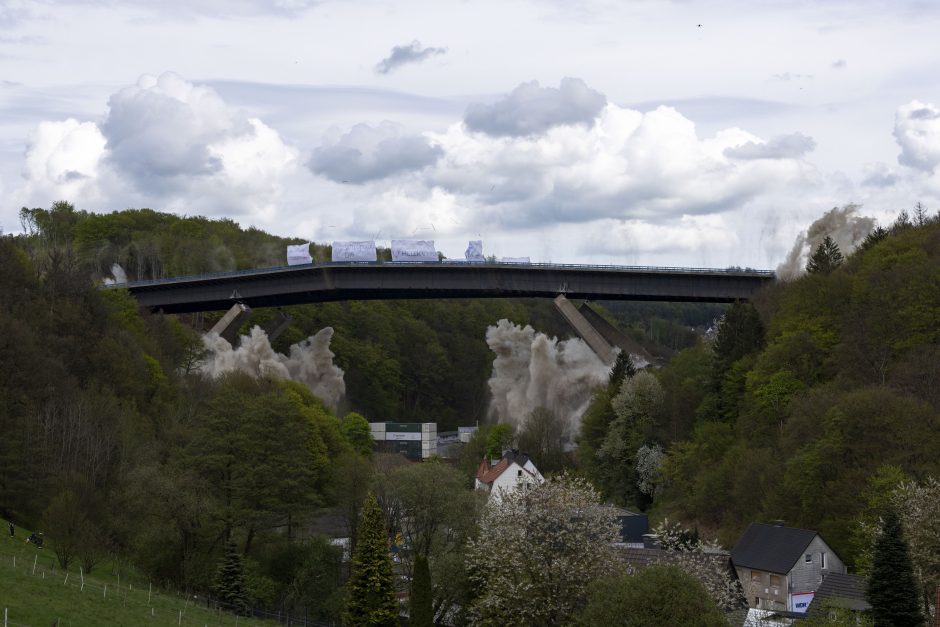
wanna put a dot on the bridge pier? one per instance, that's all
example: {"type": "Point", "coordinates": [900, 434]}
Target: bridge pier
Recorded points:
{"type": "Point", "coordinates": [231, 322]}
{"type": "Point", "coordinates": [276, 325]}
{"type": "Point", "coordinates": [613, 335]}
{"type": "Point", "coordinates": [601, 347]}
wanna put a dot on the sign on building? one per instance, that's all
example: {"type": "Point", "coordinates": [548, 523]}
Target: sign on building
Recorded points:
{"type": "Point", "coordinates": [799, 601]}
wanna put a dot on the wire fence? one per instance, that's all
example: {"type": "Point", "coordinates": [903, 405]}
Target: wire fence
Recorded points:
{"type": "Point", "coordinates": [148, 604]}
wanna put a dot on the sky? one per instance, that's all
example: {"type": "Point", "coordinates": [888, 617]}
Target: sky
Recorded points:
{"type": "Point", "coordinates": [636, 132]}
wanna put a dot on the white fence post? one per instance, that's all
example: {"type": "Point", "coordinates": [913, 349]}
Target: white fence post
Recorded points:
{"type": "Point", "coordinates": [34, 563]}
{"type": "Point", "coordinates": [81, 574]}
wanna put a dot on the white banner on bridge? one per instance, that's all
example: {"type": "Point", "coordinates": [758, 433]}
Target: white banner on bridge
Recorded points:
{"type": "Point", "coordinates": [354, 251]}
{"type": "Point", "coordinates": [299, 254]}
{"type": "Point", "coordinates": [413, 250]}
{"type": "Point", "coordinates": [515, 260]}
{"type": "Point", "coordinates": [475, 251]}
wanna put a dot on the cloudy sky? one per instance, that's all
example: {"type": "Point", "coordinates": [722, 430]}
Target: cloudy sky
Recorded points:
{"type": "Point", "coordinates": [601, 131]}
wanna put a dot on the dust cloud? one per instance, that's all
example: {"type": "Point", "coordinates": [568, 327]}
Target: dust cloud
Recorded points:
{"type": "Point", "coordinates": [532, 370]}
{"type": "Point", "coordinates": [310, 362]}
{"type": "Point", "coordinates": [842, 224]}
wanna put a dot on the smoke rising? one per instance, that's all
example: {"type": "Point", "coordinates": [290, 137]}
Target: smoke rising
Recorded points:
{"type": "Point", "coordinates": [310, 362]}
{"type": "Point", "coordinates": [118, 276]}
{"type": "Point", "coordinates": [532, 370]}
{"type": "Point", "coordinates": [843, 225]}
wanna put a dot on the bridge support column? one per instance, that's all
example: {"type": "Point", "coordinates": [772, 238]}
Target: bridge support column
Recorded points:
{"type": "Point", "coordinates": [276, 325]}
{"type": "Point", "coordinates": [233, 319]}
{"type": "Point", "coordinates": [585, 331]}
{"type": "Point", "coordinates": [614, 335]}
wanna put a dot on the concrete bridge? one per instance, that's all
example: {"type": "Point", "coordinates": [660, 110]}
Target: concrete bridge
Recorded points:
{"type": "Point", "coordinates": [275, 287]}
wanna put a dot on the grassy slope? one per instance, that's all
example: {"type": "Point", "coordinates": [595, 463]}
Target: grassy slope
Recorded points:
{"type": "Point", "coordinates": [39, 598]}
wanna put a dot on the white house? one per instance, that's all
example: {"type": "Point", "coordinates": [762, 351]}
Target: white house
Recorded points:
{"type": "Point", "coordinates": [513, 471]}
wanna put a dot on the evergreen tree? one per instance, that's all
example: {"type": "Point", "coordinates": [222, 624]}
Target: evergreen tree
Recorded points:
{"type": "Point", "coordinates": [623, 369]}
{"type": "Point", "coordinates": [827, 258]}
{"type": "Point", "coordinates": [230, 580]}
{"type": "Point", "coordinates": [892, 588]}
{"type": "Point", "coordinates": [422, 612]}
{"type": "Point", "coordinates": [370, 595]}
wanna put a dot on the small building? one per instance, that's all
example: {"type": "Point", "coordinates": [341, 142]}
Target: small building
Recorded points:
{"type": "Point", "coordinates": [513, 471]}
{"type": "Point", "coordinates": [781, 568]}
{"type": "Point", "coordinates": [414, 440]}
{"type": "Point", "coordinates": [633, 526]}
{"type": "Point", "coordinates": [839, 591]}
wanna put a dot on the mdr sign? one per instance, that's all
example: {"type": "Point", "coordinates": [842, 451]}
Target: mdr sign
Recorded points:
{"type": "Point", "coordinates": [799, 601]}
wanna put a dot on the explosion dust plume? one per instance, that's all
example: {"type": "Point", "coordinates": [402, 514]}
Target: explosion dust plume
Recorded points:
{"type": "Point", "coordinates": [310, 362]}
{"type": "Point", "coordinates": [532, 370]}
{"type": "Point", "coordinates": [843, 225]}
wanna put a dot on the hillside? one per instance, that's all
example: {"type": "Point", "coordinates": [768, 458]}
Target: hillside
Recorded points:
{"type": "Point", "coordinates": [808, 407]}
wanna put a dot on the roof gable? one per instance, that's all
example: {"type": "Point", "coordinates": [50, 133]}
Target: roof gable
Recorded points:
{"type": "Point", "coordinates": [771, 548]}
{"type": "Point", "coordinates": [841, 590]}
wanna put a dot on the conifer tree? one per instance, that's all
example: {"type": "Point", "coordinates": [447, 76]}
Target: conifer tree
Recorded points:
{"type": "Point", "coordinates": [230, 580]}
{"type": "Point", "coordinates": [370, 595]}
{"type": "Point", "coordinates": [892, 588]}
{"type": "Point", "coordinates": [826, 258]}
{"type": "Point", "coordinates": [422, 611]}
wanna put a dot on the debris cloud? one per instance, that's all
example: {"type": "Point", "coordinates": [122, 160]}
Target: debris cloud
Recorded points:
{"type": "Point", "coordinates": [842, 224]}
{"type": "Point", "coordinates": [532, 370]}
{"type": "Point", "coordinates": [310, 362]}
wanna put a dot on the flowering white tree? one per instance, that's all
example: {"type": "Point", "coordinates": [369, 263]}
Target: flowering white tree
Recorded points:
{"type": "Point", "coordinates": [702, 560]}
{"type": "Point", "coordinates": [538, 550]}
{"type": "Point", "coordinates": [649, 468]}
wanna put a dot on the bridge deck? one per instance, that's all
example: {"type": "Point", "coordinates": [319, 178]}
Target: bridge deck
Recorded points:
{"type": "Point", "coordinates": [270, 287]}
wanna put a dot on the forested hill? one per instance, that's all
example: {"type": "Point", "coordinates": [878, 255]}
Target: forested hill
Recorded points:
{"type": "Point", "coordinates": [421, 361]}
{"type": "Point", "coordinates": [809, 407]}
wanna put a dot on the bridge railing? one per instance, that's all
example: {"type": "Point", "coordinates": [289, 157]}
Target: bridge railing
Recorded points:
{"type": "Point", "coordinates": [451, 263]}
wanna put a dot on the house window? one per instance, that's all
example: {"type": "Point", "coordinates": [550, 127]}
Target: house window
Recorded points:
{"type": "Point", "coordinates": [809, 558]}
{"type": "Point", "coordinates": [776, 581]}
{"type": "Point", "coordinates": [518, 473]}
{"type": "Point", "coordinates": [823, 554]}
{"type": "Point", "coordinates": [755, 576]}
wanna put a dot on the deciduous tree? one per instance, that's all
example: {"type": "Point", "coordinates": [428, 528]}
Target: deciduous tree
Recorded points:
{"type": "Point", "coordinates": [537, 551]}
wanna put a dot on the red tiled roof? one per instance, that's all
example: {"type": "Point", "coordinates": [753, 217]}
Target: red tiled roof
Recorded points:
{"type": "Point", "coordinates": [493, 473]}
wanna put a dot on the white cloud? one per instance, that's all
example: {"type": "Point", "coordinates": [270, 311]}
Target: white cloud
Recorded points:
{"type": "Point", "coordinates": [782, 147]}
{"type": "Point", "coordinates": [403, 55]}
{"type": "Point", "coordinates": [530, 109]}
{"type": "Point", "coordinates": [165, 141]}
{"type": "Point", "coordinates": [627, 165]}
{"type": "Point", "coordinates": [917, 131]}
{"type": "Point", "coordinates": [64, 158]}
{"type": "Point", "coordinates": [368, 153]}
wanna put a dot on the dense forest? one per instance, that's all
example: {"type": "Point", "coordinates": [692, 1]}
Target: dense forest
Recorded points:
{"type": "Point", "coordinates": [807, 406]}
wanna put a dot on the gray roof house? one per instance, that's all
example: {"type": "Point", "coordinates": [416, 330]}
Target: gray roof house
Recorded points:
{"type": "Point", "coordinates": [780, 568]}
{"type": "Point", "coordinates": [839, 590]}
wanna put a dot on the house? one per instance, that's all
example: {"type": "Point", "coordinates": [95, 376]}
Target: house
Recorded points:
{"type": "Point", "coordinates": [513, 471]}
{"type": "Point", "coordinates": [839, 591]}
{"type": "Point", "coordinates": [780, 568]}
{"type": "Point", "coordinates": [633, 526]}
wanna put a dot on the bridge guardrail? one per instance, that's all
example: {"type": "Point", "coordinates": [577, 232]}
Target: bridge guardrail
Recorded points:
{"type": "Point", "coordinates": [448, 263]}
